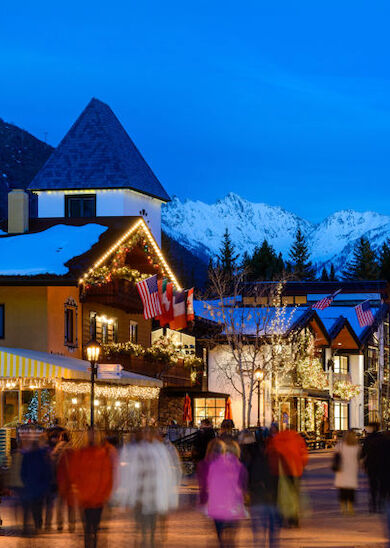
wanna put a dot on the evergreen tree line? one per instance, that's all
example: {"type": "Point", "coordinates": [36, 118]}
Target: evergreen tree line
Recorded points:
{"type": "Point", "coordinates": [266, 264]}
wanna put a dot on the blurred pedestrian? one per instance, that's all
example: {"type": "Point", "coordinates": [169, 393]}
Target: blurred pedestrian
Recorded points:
{"type": "Point", "coordinates": [66, 494]}
{"type": "Point", "coordinates": [287, 456]}
{"type": "Point", "coordinates": [262, 490]}
{"type": "Point", "coordinates": [204, 435]}
{"type": "Point", "coordinates": [225, 485]}
{"type": "Point", "coordinates": [346, 467]}
{"type": "Point", "coordinates": [226, 431]}
{"type": "Point", "coordinates": [371, 457]}
{"type": "Point", "coordinates": [147, 482]}
{"type": "Point", "coordinates": [91, 476]}
{"type": "Point", "coordinates": [36, 478]}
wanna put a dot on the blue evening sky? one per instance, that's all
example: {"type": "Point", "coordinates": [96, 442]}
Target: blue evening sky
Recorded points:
{"type": "Point", "coordinates": [282, 102]}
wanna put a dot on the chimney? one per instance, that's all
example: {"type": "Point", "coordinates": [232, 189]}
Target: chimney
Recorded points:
{"type": "Point", "coordinates": [17, 212]}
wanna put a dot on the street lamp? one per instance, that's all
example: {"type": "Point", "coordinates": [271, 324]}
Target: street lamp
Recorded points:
{"type": "Point", "coordinates": [93, 352]}
{"type": "Point", "coordinates": [259, 376]}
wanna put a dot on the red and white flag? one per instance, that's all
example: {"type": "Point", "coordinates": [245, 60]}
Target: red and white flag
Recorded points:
{"type": "Point", "coordinates": [190, 305]}
{"type": "Point", "coordinates": [148, 291]}
{"type": "Point", "coordinates": [364, 314]}
{"type": "Point", "coordinates": [326, 301]}
{"type": "Point", "coordinates": [165, 291]}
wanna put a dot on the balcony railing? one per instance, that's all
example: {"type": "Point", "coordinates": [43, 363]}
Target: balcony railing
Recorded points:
{"type": "Point", "coordinates": [174, 375]}
{"type": "Point", "coordinates": [119, 293]}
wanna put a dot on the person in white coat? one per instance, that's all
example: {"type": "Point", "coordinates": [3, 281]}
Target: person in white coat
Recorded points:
{"type": "Point", "coordinates": [346, 465]}
{"type": "Point", "coordinates": [149, 474]}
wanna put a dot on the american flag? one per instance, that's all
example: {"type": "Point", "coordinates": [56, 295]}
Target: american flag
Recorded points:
{"type": "Point", "coordinates": [326, 301]}
{"type": "Point", "coordinates": [364, 314]}
{"type": "Point", "coordinates": [148, 291]}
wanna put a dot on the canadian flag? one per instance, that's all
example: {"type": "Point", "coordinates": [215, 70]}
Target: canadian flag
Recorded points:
{"type": "Point", "coordinates": [165, 292]}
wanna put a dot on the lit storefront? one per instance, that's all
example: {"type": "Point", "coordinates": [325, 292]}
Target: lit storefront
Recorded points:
{"type": "Point", "coordinates": [39, 387]}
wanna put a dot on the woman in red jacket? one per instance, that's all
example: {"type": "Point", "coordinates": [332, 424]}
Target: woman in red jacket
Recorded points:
{"type": "Point", "coordinates": [91, 476]}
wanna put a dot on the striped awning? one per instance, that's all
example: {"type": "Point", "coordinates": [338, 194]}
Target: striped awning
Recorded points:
{"type": "Point", "coordinates": [18, 362]}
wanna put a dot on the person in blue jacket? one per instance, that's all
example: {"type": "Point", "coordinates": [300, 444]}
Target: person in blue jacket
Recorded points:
{"type": "Point", "coordinates": [36, 478]}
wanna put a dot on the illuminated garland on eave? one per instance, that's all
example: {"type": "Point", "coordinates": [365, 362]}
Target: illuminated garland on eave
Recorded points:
{"type": "Point", "coordinates": [161, 263]}
{"type": "Point", "coordinates": [111, 391]}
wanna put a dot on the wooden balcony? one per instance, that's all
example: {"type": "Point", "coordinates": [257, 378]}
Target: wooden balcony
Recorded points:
{"type": "Point", "coordinates": [118, 293]}
{"type": "Point", "coordinates": [176, 375]}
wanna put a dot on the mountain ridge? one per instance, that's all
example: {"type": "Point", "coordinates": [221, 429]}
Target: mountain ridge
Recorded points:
{"type": "Point", "coordinates": [199, 227]}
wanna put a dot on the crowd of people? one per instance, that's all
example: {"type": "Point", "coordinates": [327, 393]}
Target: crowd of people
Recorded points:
{"type": "Point", "coordinates": [49, 475]}
{"type": "Point", "coordinates": [253, 475]}
{"type": "Point", "coordinates": [258, 470]}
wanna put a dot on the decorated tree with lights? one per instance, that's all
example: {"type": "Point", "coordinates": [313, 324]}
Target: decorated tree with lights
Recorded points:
{"type": "Point", "coordinates": [252, 338]}
{"type": "Point", "coordinates": [32, 412]}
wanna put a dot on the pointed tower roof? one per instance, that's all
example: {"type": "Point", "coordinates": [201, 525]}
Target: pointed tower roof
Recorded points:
{"type": "Point", "coordinates": [97, 153]}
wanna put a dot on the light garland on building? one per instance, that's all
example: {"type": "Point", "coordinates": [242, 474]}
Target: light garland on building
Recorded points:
{"type": "Point", "coordinates": [138, 225]}
{"type": "Point", "coordinates": [346, 390]}
{"type": "Point", "coordinates": [111, 392]}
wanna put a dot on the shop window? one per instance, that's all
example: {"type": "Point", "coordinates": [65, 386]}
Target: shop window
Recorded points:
{"type": "Point", "coordinates": [340, 416]}
{"type": "Point", "coordinates": [2, 321]}
{"type": "Point", "coordinates": [70, 318]}
{"type": "Point", "coordinates": [10, 407]}
{"type": "Point", "coordinates": [300, 299]}
{"type": "Point", "coordinates": [80, 205]}
{"type": "Point", "coordinates": [341, 364]}
{"type": "Point", "coordinates": [133, 331]}
{"type": "Point", "coordinates": [209, 408]}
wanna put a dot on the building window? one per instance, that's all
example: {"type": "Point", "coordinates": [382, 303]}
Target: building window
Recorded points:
{"type": "Point", "coordinates": [70, 317]}
{"type": "Point", "coordinates": [92, 326]}
{"type": "Point", "coordinates": [80, 205]}
{"type": "Point", "coordinates": [2, 321]}
{"type": "Point", "coordinates": [133, 331]}
{"type": "Point", "coordinates": [372, 359]}
{"type": "Point", "coordinates": [209, 408]}
{"type": "Point", "coordinates": [340, 416]}
{"type": "Point", "coordinates": [106, 329]}
{"type": "Point", "coordinates": [341, 364]}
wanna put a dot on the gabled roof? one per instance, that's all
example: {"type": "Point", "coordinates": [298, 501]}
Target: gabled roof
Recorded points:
{"type": "Point", "coordinates": [57, 252]}
{"type": "Point", "coordinates": [97, 153]}
{"type": "Point", "coordinates": [380, 314]}
{"type": "Point", "coordinates": [349, 339]}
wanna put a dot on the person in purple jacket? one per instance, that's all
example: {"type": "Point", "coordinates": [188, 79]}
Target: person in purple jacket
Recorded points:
{"type": "Point", "coordinates": [225, 486]}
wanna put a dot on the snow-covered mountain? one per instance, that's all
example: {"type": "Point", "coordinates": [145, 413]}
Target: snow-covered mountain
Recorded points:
{"type": "Point", "coordinates": [199, 227]}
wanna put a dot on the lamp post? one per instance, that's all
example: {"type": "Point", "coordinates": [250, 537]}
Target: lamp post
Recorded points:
{"type": "Point", "coordinates": [259, 375]}
{"type": "Point", "coordinates": [93, 351]}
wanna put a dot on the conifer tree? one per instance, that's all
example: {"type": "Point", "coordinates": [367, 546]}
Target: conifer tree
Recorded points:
{"type": "Point", "coordinates": [264, 263]}
{"type": "Point", "coordinates": [227, 255]}
{"type": "Point", "coordinates": [332, 274]}
{"type": "Point", "coordinates": [324, 275]}
{"type": "Point", "coordinates": [363, 265]}
{"type": "Point", "coordinates": [299, 257]}
{"type": "Point", "coordinates": [384, 260]}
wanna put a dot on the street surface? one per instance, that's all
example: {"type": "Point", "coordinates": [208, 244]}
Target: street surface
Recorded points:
{"type": "Point", "coordinates": [322, 526]}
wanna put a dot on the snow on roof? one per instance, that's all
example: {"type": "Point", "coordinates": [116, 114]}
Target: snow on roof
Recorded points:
{"type": "Point", "coordinates": [255, 321]}
{"type": "Point", "coordinates": [46, 252]}
{"type": "Point", "coordinates": [313, 297]}
{"type": "Point", "coordinates": [331, 314]}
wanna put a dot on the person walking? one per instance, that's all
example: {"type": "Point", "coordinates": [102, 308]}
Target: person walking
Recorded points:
{"type": "Point", "coordinates": [225, 484]}
{"type": "Point", "coordinates": [371, 457]}
{"type": "Point", "coordinates": [346, 466]}
{"type": "Point", "coordinates": [36, 477]}
{"type": "Point", "coordinates": [287, 457]}
{"type": "Point", "coordinates": [262, 490]}
{"type": "Point", "coordinates": [66, 494]}
{"type": "Point", "coordinates": [91, 477]}
{"type": "Point", "coordinates": [147, 482]}
{"type": "Point", "coordinates": [205, 434]}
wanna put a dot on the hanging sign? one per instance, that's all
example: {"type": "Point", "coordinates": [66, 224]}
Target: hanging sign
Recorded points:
{"type": "Point", "coordinates": [108, 371]}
